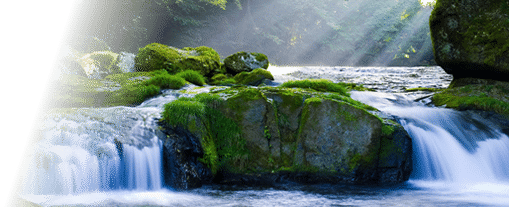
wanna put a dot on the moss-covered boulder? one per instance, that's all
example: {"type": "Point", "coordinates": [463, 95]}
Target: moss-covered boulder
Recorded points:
{"type": "Point", "coordinates": [470, 38]}
{"type": "Point", "coordinates": [157, 56]}
{"type": "Point", "coordinates": [475, 94]}
{"type": "Point", "coordinates": [97, 64]}
{"type": "Point", "coordinates": [245, 62]}
{"type": "Point", "coordinates": [122, 89]}
{"type": "Point", "coordinates": [253, 135]}
{"type": "Point", "coordinates": [254, 78]}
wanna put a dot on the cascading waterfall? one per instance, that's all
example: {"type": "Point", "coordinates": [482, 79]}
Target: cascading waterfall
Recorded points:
{"type": "Point", "coordinates": [112, 156]}
{"type": "Point", "coordinates": [448, 145]}
{"type": "Point", "coordinates": [96, 150]}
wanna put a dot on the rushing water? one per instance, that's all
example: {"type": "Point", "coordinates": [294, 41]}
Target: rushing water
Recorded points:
{"type": "Point", "coordinates": [112, 157]}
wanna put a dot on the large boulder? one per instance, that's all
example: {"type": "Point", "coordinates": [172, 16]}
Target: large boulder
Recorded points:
{"type": "Point", "coordinates": [254, 78]}
{"type": "Point", "coordinates": [99, 64]}
{"type": "Point", "coordinates": [96, 64]}
{"type": "Point", "coordinates": [245, 62]}
{"type": "Point", "coordinates": [270, 134]}
{"type": "Point", "coordinates": [470, 38]}
{"type": "Point", "coordinates": [157, 56]}
{"type": "Point", "coordinates": [181, 153]}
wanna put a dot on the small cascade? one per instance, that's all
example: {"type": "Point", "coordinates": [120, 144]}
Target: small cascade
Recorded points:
{"type": "Point", "coordinates": [96, 150]}
{"type": "Point", "coordinates": [141, 168]}
{"type": "Point", "coordinates": [448, 145]}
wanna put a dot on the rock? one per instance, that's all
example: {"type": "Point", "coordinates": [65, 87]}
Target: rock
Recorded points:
{"type": "Point", "coordinates": [245, 62]}
{"type": "Point", "coordinates": [157, 56]}
{"type": "Point", "coordinates": [395, 163]}
{"type": "Point", "coordinates": [475, 94]}
{"type": "Point", "coordinates": [470, 38]}
{"type": "Point", "coordinates": [182, 169]}
{"type": "Point", "coordinates": [98, 63]}
{"type": "Point", "coordinates": [254, 78]}
{"type": "Point", "coordinates": [271, 134]}
{"type": "Point", "coordinates": [336, 137]}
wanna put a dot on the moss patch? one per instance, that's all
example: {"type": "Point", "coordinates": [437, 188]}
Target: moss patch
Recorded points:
{"type": "Point", "coordinates": [193, 77]}
{"type": "Point", "coordinates": [157, 56]}
{"type": "Point", "coordinates": [123, 89]}
{"type": "Point", "coordinates": [221, 140]}
{"type": "Point", "coordinates": [254, 77]}
{"type": "Point", "coordinates": [479, 97]}
{"type": "Point", "coordinates": [321, 85]}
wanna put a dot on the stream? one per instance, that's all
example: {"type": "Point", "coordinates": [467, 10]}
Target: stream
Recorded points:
{"type": "Point", "coordinates": [459, 158]}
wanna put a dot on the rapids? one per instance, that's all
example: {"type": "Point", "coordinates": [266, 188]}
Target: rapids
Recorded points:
{"type": "Point", "coordinates": [112, 157]}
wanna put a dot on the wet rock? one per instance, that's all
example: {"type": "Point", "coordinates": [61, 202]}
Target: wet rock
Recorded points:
{"type": "Point", "coordinates": [157, 56]}
{"type": "Point", "coordinates": [295, 135]}
{"type": "Point", "coordinates": [470, 38]}
{"type": "Point", "coordinates": [181, 167]}
{"type": "Point", "coordinates": [245, 62]}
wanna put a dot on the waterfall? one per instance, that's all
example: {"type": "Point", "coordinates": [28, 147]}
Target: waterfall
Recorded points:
{"type": "Point", "coordinates": [113, 156]}
{"type": "Point", "coordinates": [439, 154]}
{"type": "Point", "coordinates": [88, 150]}
{"type": "Point", "coordinates": [448, 145]}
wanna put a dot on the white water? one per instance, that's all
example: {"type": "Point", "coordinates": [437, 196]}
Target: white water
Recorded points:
{"type": "Point", "coordinates": [78, 152]}
{"type": "Point", "coordinates": [453, 152]}
{"type": "Point", "coordinates": [77, 161]}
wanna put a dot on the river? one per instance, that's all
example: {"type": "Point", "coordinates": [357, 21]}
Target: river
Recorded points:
{"type": "Point", "coordinates": [460, 159]}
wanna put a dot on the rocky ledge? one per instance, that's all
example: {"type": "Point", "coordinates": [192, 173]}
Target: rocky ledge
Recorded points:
{"type": "Point", "coordinates": [244, 135]}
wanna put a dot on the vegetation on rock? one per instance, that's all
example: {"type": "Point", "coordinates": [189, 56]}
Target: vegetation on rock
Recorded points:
{"type": "Point", "coordinates": [157, 56]}
{"type": "Point", "coordinates": [470, 39]}
{"type": "Point", "coordinates": [193, 77]}
{"type": "Point", "coordinates": [321, 85]}
{"type": "Point", "coordinates": [254, 77]}
{"type": "Point", "coordinates": [122, 89]}
{"type": "Point", "coordinates": [245, 62]}
{"type": "Point", "coordinates": [486, 97]}
{"type": "Point", "coordinates": [247, 130]}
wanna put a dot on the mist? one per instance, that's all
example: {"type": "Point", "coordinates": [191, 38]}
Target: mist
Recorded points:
{"type": "Point", "coordinates": [302, 32]}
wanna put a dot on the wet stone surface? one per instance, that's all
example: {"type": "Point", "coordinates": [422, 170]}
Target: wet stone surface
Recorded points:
{"type": "Point", "coordinates": [382, 79]}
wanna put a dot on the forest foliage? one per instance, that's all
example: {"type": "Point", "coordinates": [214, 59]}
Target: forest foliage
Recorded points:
{"type": "Point", "coordinates": [295, 32]}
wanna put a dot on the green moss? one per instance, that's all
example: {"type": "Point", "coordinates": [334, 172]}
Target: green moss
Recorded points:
{"type": "Point", "coordinates": [243, 61]}
{"type": "Point", "coordinates": [192, 76]}
{"type": "Point", "coordinates": [156, 56]}
{"type": "Point", "coordinates": [221, 140]}
{"type": "Point", "coordinates": [354, 161]}
{"type": "Point", "coordinates": [349, 100]}
{"type": "Point", "coordinates": [182, 111]}
{"type": "Point", "coordinates": [315, 101]}
{"type": "Point", "coordinates": [206, 61]}
{"type": "Point", "coordinates": [480, 97]}
{"type": "Point", "coordinates": [261, 57]}
{"type": "Point", "coordinates": [218, 78]}
{"type": "Point", "coordinates": [387, 130]}
{"type": "Point", "coordinates": [132, 90]}
{"type": "Point", "coordinates": [254, 77]}
{"type": "Point", "coordinates": [480, 102]}
{"type": "Point", "coordinates": [166, 81]}
{"type": "Point", "coordinates": [389, 148]}
{"type": "Point", "coordinates": [321, 85]}
{"type": "Point", "coordinates": [107, 60]}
